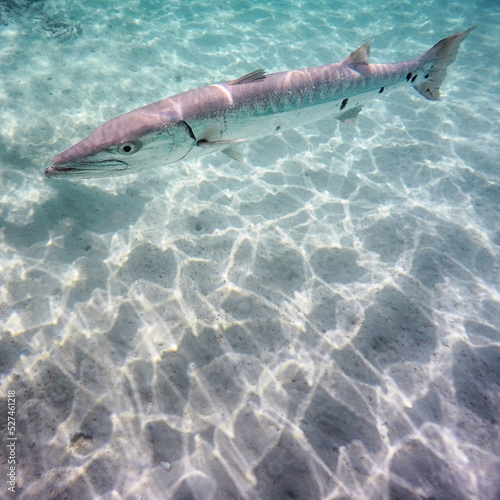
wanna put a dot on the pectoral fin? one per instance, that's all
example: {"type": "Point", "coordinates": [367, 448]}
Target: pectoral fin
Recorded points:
{"type": "Point", "coordinates": [234, 147]}
{"type": "Point", "coordinates": [204, 143]}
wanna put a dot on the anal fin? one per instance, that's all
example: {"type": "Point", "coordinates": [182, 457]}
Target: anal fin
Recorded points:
{"type": "Point", "coordinates": [350, 115]}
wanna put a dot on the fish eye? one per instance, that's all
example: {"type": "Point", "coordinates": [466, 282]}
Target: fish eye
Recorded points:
{"type": "Point", "coordinates": [129, 148]}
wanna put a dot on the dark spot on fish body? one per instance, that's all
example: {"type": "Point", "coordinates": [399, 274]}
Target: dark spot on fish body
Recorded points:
{"type": "Point", "coordinates": [223, 126]}
{"type": "Point", "coordinates": [414, 78]}
{"type": "Point", "coordinates": [277, 128]}
{"type": "Point", "coordinates": [344, 103]}
{"type": "Point", "coordinates": [381, 90]}
{"type": "Point", "coordinates": [408, 76]}
{"type": "Point", "coordinates": [426, 76]}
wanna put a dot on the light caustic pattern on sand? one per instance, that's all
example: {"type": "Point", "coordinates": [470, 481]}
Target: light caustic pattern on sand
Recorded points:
{"type": "Point", "coordinates": [320, 321]}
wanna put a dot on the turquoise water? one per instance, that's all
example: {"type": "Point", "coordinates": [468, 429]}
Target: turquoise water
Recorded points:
{"type": "Point", "coordinates": [321, 321]}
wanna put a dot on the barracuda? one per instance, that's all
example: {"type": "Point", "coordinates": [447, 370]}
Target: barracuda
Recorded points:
{"type": "Point", "coordinates": [220, 117]}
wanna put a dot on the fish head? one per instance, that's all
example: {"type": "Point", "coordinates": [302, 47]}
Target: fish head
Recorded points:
{"type": "Point", "coordinates": [138, 140]}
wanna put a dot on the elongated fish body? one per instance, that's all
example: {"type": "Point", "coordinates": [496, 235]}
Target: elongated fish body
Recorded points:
{"type": "Point", "coordinates": [220, 117]}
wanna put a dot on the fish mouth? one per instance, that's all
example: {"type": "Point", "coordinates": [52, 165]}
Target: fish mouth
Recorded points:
{"type": "Point", "coordinates": [88, 170]}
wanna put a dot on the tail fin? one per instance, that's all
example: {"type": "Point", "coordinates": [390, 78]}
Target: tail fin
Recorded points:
{"type": "Point", "coordinates": [440, 57]}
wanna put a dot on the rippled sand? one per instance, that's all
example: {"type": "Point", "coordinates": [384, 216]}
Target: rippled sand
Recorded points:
{"type": "Point", "coordinates": [320, 321]}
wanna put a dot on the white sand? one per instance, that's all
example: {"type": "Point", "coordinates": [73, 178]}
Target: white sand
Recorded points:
{"type": "Point", "coordinates": [321, 321]}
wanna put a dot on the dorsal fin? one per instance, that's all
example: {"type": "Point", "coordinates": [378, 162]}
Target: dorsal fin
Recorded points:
{"type": "Point", "coordinates": [360, 56]}
{"type": "Point", "coordinates": [258, 74]}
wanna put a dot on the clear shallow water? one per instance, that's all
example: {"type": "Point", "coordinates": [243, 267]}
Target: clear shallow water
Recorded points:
{"type": "Point", "coordinates": [321, 321]}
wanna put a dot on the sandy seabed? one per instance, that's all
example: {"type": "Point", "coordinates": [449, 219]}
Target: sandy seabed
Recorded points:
{"type": "Point", "coordinates": [321, 321]}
